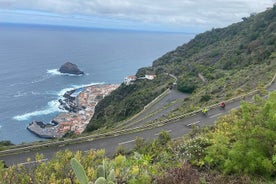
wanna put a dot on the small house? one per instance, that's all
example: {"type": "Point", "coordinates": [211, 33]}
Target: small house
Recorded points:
{"type": "Point", "coordinates": [150, 77]}
{"type": "Point", "coordinates": [130, 79]}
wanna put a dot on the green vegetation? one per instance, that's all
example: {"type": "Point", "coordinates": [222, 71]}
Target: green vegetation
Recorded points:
{"type": "Point", "coordinates": [79, 171]}
{"type": "Point", "coordinates": [240, 147]}
{"type": "Point", "coordinates": [225, 62]}
{"type": "Point", "coordinates": [128, 100]}
{"type": "Point", "coordinates": [5, 144]}
{"type": "Point", "coordinates": [245, 140]}
{"type": "Point", "coordinates": [214, 66]}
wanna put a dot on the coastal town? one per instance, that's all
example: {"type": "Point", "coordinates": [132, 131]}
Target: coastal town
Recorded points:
{"type": "Point", "coordinates": [80, 104]}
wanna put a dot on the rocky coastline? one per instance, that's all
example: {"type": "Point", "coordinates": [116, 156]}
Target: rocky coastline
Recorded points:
{"type": "Point", "coordinates": [79, 105]}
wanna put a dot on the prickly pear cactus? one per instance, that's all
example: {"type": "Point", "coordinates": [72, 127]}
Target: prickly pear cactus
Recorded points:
{"type": "Point", "coordinates": [111, 176]}
{"type": "Point", "coordinates": [101, 171]}
{"type": "Point", "coordinates": [79, 171]}
{"type": "Point", "coordinates": [101, 180]}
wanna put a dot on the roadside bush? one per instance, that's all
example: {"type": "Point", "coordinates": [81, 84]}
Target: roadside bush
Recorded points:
{"type": "Point", "coordinates": [164, 137]}
{"type": "Point", "coordinates": [179, 175]}
{"type": "Point", "coordinates": [187, 85]}
{"type": "Point", "coordinates": [245, 140]}
{"type": "Point", "coordinates": [193, 150]}
{"type": "Point", "coordinates": [205, 98]}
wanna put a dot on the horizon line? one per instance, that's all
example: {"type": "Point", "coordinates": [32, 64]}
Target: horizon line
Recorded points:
{"type": "Point", "coordinates": [40, 25]}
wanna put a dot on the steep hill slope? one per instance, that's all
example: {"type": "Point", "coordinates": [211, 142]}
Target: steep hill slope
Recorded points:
{"type": "Point", "coordinates": [214, 66]}
{"type": "Point", "coordinates": [219, 52]}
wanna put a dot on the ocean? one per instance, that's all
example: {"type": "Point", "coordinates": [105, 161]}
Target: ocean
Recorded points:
{"type": "Point", "coordinates": [31, 55]}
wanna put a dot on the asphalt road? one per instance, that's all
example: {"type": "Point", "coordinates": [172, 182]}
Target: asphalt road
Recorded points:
{"type": "Point", "coordinates": [173, 100]}
{"type": "Point", "coordinates": [175, 129]}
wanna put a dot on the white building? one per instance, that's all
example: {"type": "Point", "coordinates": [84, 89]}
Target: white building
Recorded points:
{"type": "Point", "coordinates": [128, 80]}
{"type": "Point", "coordinates": [150, 77]}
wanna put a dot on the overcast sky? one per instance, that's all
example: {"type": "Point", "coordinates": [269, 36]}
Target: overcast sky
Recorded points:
{"type": "Point", "coordinates": [163, 15]}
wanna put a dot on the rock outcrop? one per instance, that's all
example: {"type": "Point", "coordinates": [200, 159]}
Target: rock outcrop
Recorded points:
{"type": "Point", "coordinates": [70, 68]}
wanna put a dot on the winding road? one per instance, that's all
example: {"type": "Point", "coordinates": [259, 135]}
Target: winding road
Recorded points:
{"type": "Point", "coordinates": [175, 128]}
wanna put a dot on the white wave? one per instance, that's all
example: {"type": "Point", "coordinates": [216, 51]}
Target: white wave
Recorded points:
{"type": "Point", "coordinates": [57, 72]}
{"type": "Point", "coordinates": [54, 72]}
{"type": "Point", "coordinates": [43, 78]}
{"type": "Point", "coordinates": [38, 93]}
{"type": "Point", "coordinates": [20, 94]}
{"type": "Point", "coordinates": [85, 85]}
{"type": "Point", "coordinates": [40, 79]}
{"type": "Point", "coordinates": [63, 91]}
{"type": "Point", "coordinates": [51, 108]}
{"type": "Point", "coordinates": [15, 84]}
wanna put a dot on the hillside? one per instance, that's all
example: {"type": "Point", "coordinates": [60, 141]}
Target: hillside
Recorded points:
{"type": "Point", "coordinates": [128, 100]}
{"type": "Point", "coordinates": [240, 149]}
{"type": "Point", "coordinates": [214, 66]}
{"type": "Point", "coordinates": [222, 52]}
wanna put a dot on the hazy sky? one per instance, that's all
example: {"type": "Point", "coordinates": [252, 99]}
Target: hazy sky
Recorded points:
{"type": "Point", "coordinates": [164, 15]}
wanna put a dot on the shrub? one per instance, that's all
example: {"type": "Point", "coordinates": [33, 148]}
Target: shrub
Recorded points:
{"type": "Point", "coordinates": [179, 175]}
{"type": "Point", "coordinates": [193, 150]}
{"type": "Point", "coordinates": [244, 141]}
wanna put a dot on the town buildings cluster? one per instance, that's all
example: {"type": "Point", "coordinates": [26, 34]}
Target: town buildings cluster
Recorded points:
{"type": "Point", "coordinates": [81, 105]}
{"type": "Point", "coordinates": [86, 101]}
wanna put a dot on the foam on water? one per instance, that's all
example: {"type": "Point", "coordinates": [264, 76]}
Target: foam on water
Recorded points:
{"type": "Point", "coordinates": [19, 94]}
{"type": "Point", "coordinates": [56, 72]}
{"type": "Point", "coordinates": [63, 91]}
{"type": "Point", "coordinates": [43, 78]}
{"type": "Point", "coordinates": [22, 94]}
{"type": "Point", "coordinates": [85, 85]}
{"type": "Point", "coordinates": [36, 93]}
{"type": "Point", "coordinates": [52, 107]}
{"type": "Point", "coordinates": [40, 79]}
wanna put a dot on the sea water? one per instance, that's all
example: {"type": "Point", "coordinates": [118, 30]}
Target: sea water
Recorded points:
{"type": "Point", "coordinates": [31, 55]}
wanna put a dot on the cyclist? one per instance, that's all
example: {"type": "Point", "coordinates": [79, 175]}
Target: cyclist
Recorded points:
{"type": "Point", "coordinates": [222, 105]}
{"type": "Point", "coordinates": [204, 111]}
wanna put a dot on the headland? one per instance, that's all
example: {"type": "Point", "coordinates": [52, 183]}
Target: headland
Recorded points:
{"type": "Point", "coordinates": [79, 105]}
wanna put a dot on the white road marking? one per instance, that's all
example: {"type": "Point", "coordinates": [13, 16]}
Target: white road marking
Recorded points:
{"type": "Point", "coordinates": [165, 131]}
{"type": "Point", "coordinates": [190, 124]}
{"type": "Point", "coordinates": [215, 115]}
{"type": "Point", "coordinates": [121, 143]}
{"type": "Point", "coordinates": [32, 162]}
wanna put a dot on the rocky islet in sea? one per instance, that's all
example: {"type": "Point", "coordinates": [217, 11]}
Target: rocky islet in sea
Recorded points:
{"type": "Point", "coordinates": [70, 68]}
